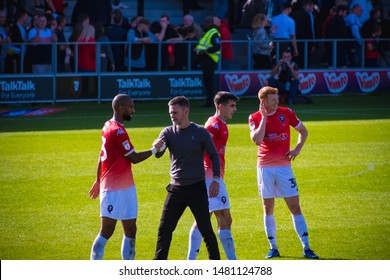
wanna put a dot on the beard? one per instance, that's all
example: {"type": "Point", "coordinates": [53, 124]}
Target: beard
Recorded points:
{"type": "Point", "coordinates": [127, 117]}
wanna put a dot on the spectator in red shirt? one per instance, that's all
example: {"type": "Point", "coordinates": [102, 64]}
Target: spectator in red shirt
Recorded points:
{"type": "Point", "coordinates": [226, 44]}
{"type": "Point", "coordinates": [87, 49]}
{"type": "Point", "coordinates": [372, 47]}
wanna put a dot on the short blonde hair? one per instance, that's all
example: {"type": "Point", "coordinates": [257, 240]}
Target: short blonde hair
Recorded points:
{"type": "Point", "coordinates": [265, 91]}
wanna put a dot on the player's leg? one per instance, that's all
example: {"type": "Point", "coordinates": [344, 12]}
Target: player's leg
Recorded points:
{"type": "Point", "coordinates": [198, 203]}
{"type": "Point", "coordinates": [266, 185]}
{"type": "Point", "coordinates": [106, 231]}
{"type": "Point", "coordinates": [129, 206]}
{"type": "Point", "coordinates": [224, 220]}
{"type": "Point", "coordinates": [194, 242]}
{"type": "Point", "coordinates": [128, 241]}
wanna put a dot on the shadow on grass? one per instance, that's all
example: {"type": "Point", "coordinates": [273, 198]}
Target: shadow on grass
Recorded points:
{"type": "Point", "coordinates": [155, 113]}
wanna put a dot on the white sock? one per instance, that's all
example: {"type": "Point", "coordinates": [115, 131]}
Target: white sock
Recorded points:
{"type": "Point", "coordinates": [270, 230]}
{"type": "Point", "coordinates": [301, 229]}
{"type": "Point", "coordinates": [195, 240]}
{"type": "Point", "coordinates": [128, 248]}
{"type": "Point", "coordinates": [97, 252]}
{"type": "Point", "coordinates": [226, 238]}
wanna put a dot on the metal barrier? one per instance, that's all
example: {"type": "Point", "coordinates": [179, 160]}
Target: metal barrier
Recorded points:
{"type": "Point", "coordinates": [50, 84]}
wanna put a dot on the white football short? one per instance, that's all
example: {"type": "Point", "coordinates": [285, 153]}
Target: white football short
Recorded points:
{"type": "Point", "coordinates": [119, 204]}
{"type": "Point", "coordinates": [221, 201]}
{"type": "Point", "coordinates": [276, 182]}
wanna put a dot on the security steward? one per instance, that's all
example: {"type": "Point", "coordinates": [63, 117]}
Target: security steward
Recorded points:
{"type": "Point", "coordinates": [208, 53]}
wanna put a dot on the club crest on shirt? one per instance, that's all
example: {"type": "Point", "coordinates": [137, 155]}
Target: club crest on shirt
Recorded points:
{"type": "Point", "coordinates": [282, 119]}
{"type": "Point", "coordinates": [215, 125]}
{"type": "Point", "coordinates": [126, 145]}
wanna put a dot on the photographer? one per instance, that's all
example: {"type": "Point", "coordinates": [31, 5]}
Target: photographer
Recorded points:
{"type": "Point", "coordinates": [284, 76]}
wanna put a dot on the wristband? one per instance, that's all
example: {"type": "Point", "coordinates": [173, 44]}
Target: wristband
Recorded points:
{"type": "Point", "coordinates": [153, 150]}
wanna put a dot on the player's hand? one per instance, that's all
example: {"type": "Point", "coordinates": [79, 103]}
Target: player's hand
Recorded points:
{"type": "Point", "coordinates": [95, 190]}
{"type": "Point", "coordinates": [159, 144]}
{"type": "Point", "coordinates": [214, 189]}
{"type": "Point", "coordinates": [291, 155]}
{"type": "Point", "coordinates": [263, 110]}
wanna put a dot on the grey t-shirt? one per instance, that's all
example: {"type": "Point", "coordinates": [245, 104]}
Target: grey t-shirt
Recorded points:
{"type": "Point", "coordinates": [186, 151]}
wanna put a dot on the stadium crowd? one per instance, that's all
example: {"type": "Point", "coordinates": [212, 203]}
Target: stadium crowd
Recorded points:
{"type": "Point", "coordinates": [102, 37]}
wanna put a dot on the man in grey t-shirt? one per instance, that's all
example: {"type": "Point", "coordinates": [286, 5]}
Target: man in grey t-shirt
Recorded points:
{"type": "Point", "coordinates": [187, 143]}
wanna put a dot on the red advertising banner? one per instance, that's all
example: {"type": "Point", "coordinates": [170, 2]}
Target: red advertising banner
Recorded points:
{"type": "Point", "coordinates": [311, 82]}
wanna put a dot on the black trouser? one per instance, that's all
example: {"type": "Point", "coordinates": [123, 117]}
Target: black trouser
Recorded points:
{"type": "Point", "coordinates": [208, 66]}
{"type": "Point", "coordinates": [178, 198]}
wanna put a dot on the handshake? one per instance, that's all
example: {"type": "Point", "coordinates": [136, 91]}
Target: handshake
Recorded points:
{"type": "Point", "coordinates": [159, 146]}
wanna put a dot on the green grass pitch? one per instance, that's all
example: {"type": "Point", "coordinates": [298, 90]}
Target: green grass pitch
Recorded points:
{"type": "Point", "coordinates": [48, 165]}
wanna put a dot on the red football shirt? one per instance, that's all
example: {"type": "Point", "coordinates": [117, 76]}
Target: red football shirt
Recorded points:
{"type": "Point", "coordinates": [116, 171]}
{"type": "Point", "coordinates": [276, 142]}
{"type": "Point", "coordinates": [219, 133]}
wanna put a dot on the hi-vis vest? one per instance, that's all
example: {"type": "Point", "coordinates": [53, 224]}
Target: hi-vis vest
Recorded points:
{"type": "Point", "coordinates": [205, 43]}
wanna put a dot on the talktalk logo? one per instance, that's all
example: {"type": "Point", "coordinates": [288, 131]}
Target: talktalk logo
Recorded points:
{"type": "Point", "coordinates": [263, 79]}
{"type": "Point", "coordinates": [238, 85]}
{"type": "Point", "coordinates": [336, 82]}
{"type": "Point", "coordinates": [368, 83]}
{"type": "Point", "coordinates": [306, 83]}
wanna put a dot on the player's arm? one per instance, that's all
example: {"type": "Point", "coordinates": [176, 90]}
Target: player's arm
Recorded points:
{"type": "Point", "coordinates": [135, 157]}
{"type": "Point", "coordinates": [257, 135]}
{"type": "Point", "coordinates": [95, 190]}
{"type": "Point", "coordinates": [214, 157]}
{"type": "Point", "coordinates": [303, 133]}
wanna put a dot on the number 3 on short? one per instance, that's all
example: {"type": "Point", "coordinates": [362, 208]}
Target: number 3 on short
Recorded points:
{"type": "Point", "coordinates": [293, 183]}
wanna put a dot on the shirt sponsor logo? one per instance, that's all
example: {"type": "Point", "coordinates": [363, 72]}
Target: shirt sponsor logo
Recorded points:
{"type": "Point", "coordinates": [274, 137]}
{"type": "Point", "coordinates": [238, 85]}
{"type": "Point", "coordinates": [126, 145]}
{"type": "Point", "coordinates": [368, 83]}
{"type": "Point", "coordinates": [336, 83]}
{"type": "Point", "coordinates": [306, 83]}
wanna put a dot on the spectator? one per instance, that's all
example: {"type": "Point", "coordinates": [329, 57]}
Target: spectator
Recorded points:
{"type": "Point", "coordinates": [82, 21]}
{"type": "Point", "coordinates": [353, 25]}
{"type": "Point", "coordinates": [375, 18]}
{"type": "Point", "coordinates": [138, 37]}
{"type": "Point", "coordinates": [106, 56]}
{"type": "Point", "coordinates": [327, 45]}
{"type": "Point", "coordinates": [262, 42]}
{"type": "Point", "coordinates": [208, 51]}
{"type": "Point", "coordinates": [87, 50]}
{"type": "Point", "coordinates": [366, 9]}
{"type": "Point", "coordinates": [304, 21]}
{"type": "Point", "coordinates": [284, 76]}
{"type": "Point", "coordinates": [250, 9]}
{"type": "Point", "coordinates": [336, 29]}
{"type": "Point", "coordinates": [117, 34]}
{"type": "Point", "coordinates": [56, 6]}
{"type": "Point", "coordinates": [165, 32]}
{"type": "Point", "coordinates": [18, 36]}
{"type": "Point", "coordinates": [285, 31]}
{"type": "Point", "coordinates": [226, 44]}
{"type": "Point", "coordinates": [190, 32]}
{"type": "Point", "coordinates": [62, 46]}
{"type": "Point", "coordinates": [41, 50]}
{"type": "Point", "coordinates": [125, 22]}
{"type": "Point", "coordinates": [372, 47]}
{"type": "Point", "coordinates": [4, 39]}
